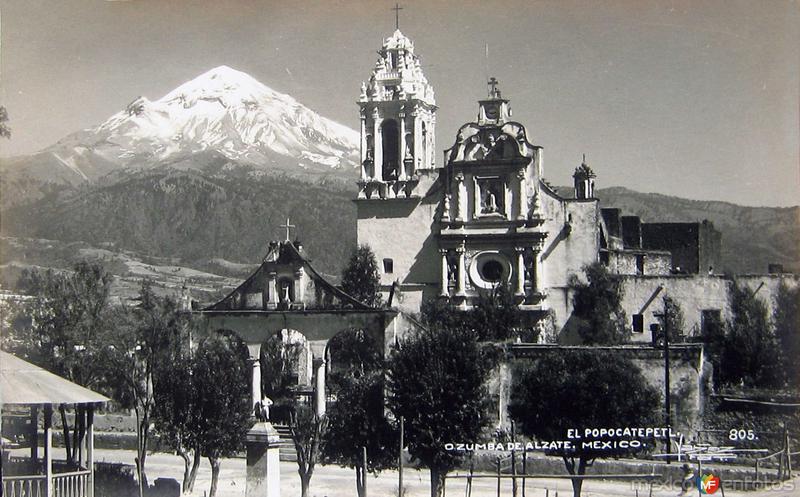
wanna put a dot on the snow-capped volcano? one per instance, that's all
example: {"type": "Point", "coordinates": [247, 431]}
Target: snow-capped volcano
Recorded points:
{"type": "Point", "coordinates": [223, 114]}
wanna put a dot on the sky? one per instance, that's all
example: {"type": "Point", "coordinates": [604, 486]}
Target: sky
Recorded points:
{"type": "Point", "coordinates": [698, 99]}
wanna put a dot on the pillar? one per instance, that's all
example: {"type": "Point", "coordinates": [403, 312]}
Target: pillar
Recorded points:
{"type": "Point", "coordinates": [537, 278]}
{"type": "Point", "coordinates": [48, 450]}
{"type": "Point", "coordinates": [35, 434]}
{"type": "Point", "coordinates": [522, 200]}
{"type": "Point", "coordinates": [263, 461]}
{"type": "Point", "coordinates": [519, 289]}
{"type": "Point", "coordinates": [462, 272]}
{"type": "Point", "coordinates": [90, 449]}
{"type": "Point", "coordinates": [319, 389]}
{"type": "Point", "coordinates": [445, 270]}
{"type": "Point", "coordinates": [461, 197]}
{"type": "Point", "coordinates": [255, 384]}
{"type": "Point", "coordinates": [299, 287]}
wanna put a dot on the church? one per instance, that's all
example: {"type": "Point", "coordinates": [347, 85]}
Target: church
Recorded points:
{"type": "Point", "coordinates": [483, 217]}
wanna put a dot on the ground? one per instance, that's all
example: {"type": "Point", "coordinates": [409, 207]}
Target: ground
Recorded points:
{"type": "Point", "coordinates": [335, 481]}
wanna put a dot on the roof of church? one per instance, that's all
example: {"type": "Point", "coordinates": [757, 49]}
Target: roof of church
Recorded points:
{"type": "Point", "coordinates": [287, 253]}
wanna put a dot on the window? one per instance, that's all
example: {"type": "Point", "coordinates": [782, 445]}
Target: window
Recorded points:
{"type": "Point", "coordinates": [390, 148]}
{"type": "Point", "coordinates": [710, 322]}
{"type": "Point", "coordinates": [388, 266]}
{"type": "Point", "coordinates": [638, 323]}
{"type": "Point", "coordinates": [640, 264]}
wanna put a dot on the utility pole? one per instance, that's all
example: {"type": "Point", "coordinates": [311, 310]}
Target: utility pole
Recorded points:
{"type": "Point", "coordinates": [400, 458]}
{"type": "Point", "coordinates": [667, 416]}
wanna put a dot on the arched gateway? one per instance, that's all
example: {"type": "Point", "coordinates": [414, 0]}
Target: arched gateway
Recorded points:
{"type": "Point", "coordinates": [286, 301]}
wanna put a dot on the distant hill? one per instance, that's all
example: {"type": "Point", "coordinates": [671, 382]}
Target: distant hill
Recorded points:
{"type": "Point", "coordinates": [752, 237]}
{"type": "Point", "coordinates": [195, 217]}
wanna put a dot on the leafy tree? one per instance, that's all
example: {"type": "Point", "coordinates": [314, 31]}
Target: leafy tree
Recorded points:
{"type": "Point", "coordinates": [495, 316]}
{"type": "Point", "coordinates": [598, 306]}
{"type": "Point", "coordinates": [748, 356]}
{"type": "Point", "coordinates": [176, 402]}
{"type": "Point", "coordinates": [61, 329]}
{"type": "Point", "coordinates": [672, 319]}
{"type": "Point", "coordinates": [357, 418]}
{"type": "Point", "coordinates": [581, 388]}
{"type": "Point", "coordinates": [786, 319]}
{"type": "Point", "coordinates": [138, 341]}
{"type": "Point", "coordinates": [223, 406]}
{"type": "Point", "coordinates": [308, 430]}
{"type": "Point", "coordinates": [361, 278]}
{"type": "Point", "coordinates": [437, 379]}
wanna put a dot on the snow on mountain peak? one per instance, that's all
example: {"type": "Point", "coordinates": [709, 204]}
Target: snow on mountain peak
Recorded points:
{"type": "Point", "coordinates": [226, 111]}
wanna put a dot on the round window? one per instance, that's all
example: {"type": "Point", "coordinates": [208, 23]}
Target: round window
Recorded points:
{"type": "Point", "coordinates": [492, 271]}
{"type": "Point", "coordinates": [489, 269]}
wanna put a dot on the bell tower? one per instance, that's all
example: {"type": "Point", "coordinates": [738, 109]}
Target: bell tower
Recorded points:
{"type": "Point", "coordinates": [398, 117]}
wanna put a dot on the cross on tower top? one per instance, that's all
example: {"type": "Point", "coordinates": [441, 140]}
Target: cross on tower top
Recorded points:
{"type": "Point", "coordinates": [397, 8]}
{"type": "Point", "coordinates": [287, 226]}
{"type": "Point", "coordinates": [494, 92]}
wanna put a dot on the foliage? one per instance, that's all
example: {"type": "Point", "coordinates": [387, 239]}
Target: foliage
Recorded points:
{"type": "Point", "coordinates": [672, 319]}
{"type": "Point", "coordinates": [749, 355]}
{"type": "Point", "coordinates": [598, 306]}
{"type": "Point", "coordinates": [278, 361]}
{"type": "Point", "coordinates": [175, 399]}
{"type": "Point", "coordinates": [353, 354]}
{"type": "Point", "coordinates": [61, 327]}
{"type": "Point", "coordinates": [223, 406]}
{"type": "Point", "coordinates": [786, 319]}
{"type": "Point", "coordinates": [140, 339]}
{"type": "Point", "coordinates": [361, 278]}
{"type": "Point", "coordinates": [581, 388]}
{"type": "Point", "coordinates": [437, 380]}
{"type": "Point", "coordinates": [495, 316]}
{"type": "Point", "coordinates": [308, 430]}
{"type": "Point", "coordinates": [357, 417]}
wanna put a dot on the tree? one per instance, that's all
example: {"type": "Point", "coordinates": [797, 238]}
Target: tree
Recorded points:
{"type": "Point", "coordinates": [495, 315]}
{"type": "Point", "coordinates": [361, 278]}
{"type": "Point", "coordinates": [357, 418]}
{"type": "Point", "coordinates": [61, 329]}
{"type": "Point", "coordinates": [672, 319]}
{"type": "Point", "coordinates": [223, 406]}
{"type": "Point", "coordinates": [786, 319]}
{"type": "Point", "coordinates": [437, 379]}
{"type": "Point", "coordinates": [5, 131]}
{"type": "Point", "coordinates": [308, 430]}
{"type": "Point", "coordinates": [176, 401]}
{"type": "Point", "coordinates": [581, 388]}
{"type": "Point", "coordinates": [137, 342]}
{"type": "Point", "coordinates": [598, 306]}
{"type": "Point", "coordinates": [748, 356]}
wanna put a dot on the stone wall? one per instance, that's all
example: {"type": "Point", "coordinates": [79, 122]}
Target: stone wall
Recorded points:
{"type": "Point", "coordinates": [694, 294]}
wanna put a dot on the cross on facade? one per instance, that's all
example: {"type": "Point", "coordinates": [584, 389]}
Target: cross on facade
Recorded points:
{"type": "Point", "coordinates": [397, 8]}
{"type": "Point", "coordinates": [287, 226]}
{"type": "Point", "coordinates": [493, 86]}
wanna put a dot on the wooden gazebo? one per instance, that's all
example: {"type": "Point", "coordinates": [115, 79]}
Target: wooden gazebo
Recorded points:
{"type": "Point", "coordinates": [25, 386]}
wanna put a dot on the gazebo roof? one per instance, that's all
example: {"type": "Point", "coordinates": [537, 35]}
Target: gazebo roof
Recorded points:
{"type": "Point", "coordinates": [22, 383]}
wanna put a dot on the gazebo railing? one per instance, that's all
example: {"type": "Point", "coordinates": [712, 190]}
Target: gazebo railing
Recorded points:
{"type": "Point", "coordinates": [72, 484]}
{"type": "Point", "coordinates": [24, 486]}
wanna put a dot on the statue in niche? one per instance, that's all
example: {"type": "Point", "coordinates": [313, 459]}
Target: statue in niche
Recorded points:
{"type": "Point", "coordinates": [446, 207]}
{"type": "Point", "coordinates": [452, 267]}
{"type": "Point", "coordinates": [490, 204]}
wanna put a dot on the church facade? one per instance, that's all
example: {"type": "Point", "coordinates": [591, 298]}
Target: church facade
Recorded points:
{"type": "Point", "coordinates": [485, 216]}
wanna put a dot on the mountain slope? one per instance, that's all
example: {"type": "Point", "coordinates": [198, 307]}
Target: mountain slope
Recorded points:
{"type": "Point", "coordinates": [222, 112]}
{"type": "Point", "coordinates": [752, 237]}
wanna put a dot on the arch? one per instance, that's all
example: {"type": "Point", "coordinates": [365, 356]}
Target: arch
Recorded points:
{"type": "Point", "coordinates": [390, 148]}
{"type": "Point", "coordinates": [286, 364]}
